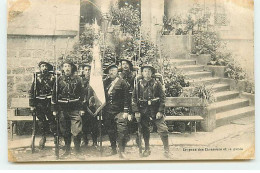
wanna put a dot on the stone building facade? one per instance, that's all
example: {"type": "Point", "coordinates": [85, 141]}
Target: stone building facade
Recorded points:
{"type": "Point", "coordinates": [37, 30]}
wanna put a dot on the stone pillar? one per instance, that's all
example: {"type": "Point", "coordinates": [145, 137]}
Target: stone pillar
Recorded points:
{"type": "Point", "coordinates": [209, 122]}
{"type": "Point", "coordinates": [152, 16]}
{"type": "Point", "coordinates": [146, 16]}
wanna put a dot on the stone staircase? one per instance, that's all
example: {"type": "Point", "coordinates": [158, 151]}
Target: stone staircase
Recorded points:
{"type": "Point", "coordinates": [229, 105]}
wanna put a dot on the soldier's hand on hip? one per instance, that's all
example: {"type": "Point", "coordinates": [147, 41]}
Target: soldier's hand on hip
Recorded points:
{"type": "Point", "coordinates": [125, 115]}
{"type": "Point", "coordinates": [159, 115]}
{"type": "Point", "coordinates": [81, 113]}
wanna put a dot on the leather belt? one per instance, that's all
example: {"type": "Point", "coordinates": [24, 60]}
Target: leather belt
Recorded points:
{"type": "Point", "coordinates": [43, 97]}
{"type": "Point", "coordinates": [149, 102]}
{"type": "Point", "coordinates": [68, 101]}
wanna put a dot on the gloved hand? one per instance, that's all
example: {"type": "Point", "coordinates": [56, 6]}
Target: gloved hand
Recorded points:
{"type": "Point", "coordinates": [54, 113]}
{"type": "Point", "coordinates": [130, 117]}
{"type": "Point", "coordinates": [159, 115]}
{"type": "Point", "coordinates": [32, 108]}
{"type": "Point", "coordinates": [81, 113]}
{"type": "Point", "coordinates": [138, 117]}
{"type": "Point", "coordinates": [125, 115]}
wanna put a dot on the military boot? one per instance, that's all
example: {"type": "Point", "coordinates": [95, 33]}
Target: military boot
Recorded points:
{"type": "Point", "coordinates": [112, 139]}
{"type": "Point", "coordinates": [42, 142]}
{"type": "Point", "coordinates": [165, 141]}
{"type": "Point", "coordinates": [77, 140]}
{"type": "Point", "coordinates": [67, 146]}
{"type": "Point", "coordinates": [114, 150]}
{"type": "Point", "coordinates": [146, 153]}
{"type": "Point", "coordinates": [121, 146]}
{"type": "Point", "coordinates": [67, 151]}
{"type": "Point", "coordinates": [94, 139]}
{"type": "Point", "coordinates": [85, 141]}
{"type": "Point", "coordinates": [147, 150]}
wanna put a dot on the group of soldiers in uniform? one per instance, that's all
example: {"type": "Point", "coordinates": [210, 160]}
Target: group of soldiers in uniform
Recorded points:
{"type": "Point", "coordinates": [130, 99]}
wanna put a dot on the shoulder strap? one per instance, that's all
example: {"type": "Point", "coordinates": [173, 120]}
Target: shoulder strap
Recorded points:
{"type": "Point", "coordinates": [112, 85]}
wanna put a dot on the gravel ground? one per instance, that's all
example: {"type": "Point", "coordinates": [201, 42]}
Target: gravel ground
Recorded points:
{"type": "Point", "coordinates": [239, 144]}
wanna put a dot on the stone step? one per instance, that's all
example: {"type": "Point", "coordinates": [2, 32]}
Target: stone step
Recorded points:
{"type": "Point", "coordinates": [225, 95]}
{"type": "Point", "coordinates": [206, 81]}
{"type": "Point", "coordinates": [227, 117]}
{"type": "Point", "coordinates": [196, 75]}
{"type": "Point", "coordinates": [188, 68]}
{"type": "Point", "coordinates": [228, 105]}
{"type": "Point", "coordinates": [176, 62]}
{"type": "Point", "coordinates": [216, 88]}
{"type": "Point", "coordinates": [219, 87]}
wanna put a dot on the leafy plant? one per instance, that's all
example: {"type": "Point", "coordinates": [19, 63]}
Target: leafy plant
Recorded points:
{"type": "Point", "coordinates": [167, 26]}
{"type": "Point", "coordinates": [234, 71]}
{"type": "Point", "coordinates": [206, 94]}
{"type": "Point", "coordinates": [206, 42]}
{"type": "Point", "coordinates": [190, 23]}
{"type": "Point", "coordinates": [200, 17]}
{"type": "Point", "coordinates": [220, 59]}
{"type": "Point", "coordinates": [250, 86]}
{"type": "Point", "coordinates": [127, 17]}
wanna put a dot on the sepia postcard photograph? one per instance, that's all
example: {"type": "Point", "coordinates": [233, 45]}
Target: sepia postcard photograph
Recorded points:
{"type": "Point", "coordinates": [130, 80]}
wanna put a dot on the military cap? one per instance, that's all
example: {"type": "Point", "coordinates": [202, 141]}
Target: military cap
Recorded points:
{"type": "Point", "coordinates": [148, 66]}
{"type": "Point", "coordinates": [73, 66]}
{"type": "Point", "coordinates": [128, 60]}
{"type": "Point", "coordinates": [109, 67]}
{"type": "Point", "coordinates": [83, 65]}
{"type": "Point", "coordinates": [49, 66]}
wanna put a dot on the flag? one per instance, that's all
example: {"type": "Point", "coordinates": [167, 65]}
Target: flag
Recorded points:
{"type": "Point", "coordinates": [96, 81]}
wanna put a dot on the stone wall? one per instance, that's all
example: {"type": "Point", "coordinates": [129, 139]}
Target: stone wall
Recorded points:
{"type": "Point", "coordinates": [23, 55]}
{"type": "Point", "coordinates": [39, 30]}
{"type": "Point", "coordinates": [176, 46]}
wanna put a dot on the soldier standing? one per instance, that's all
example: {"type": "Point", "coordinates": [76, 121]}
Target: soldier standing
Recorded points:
{"type": "Point", "coordinates": [129, 76]}
{"type": "Point", "coordinates": [116, 109]}
{"type": "Point", "coordinates": [40, 100]}
{"type": "Point", "coordinates": [148, 105]}
{"type": "Point", "coordinates": [127, 73]}
{"type": "Point", "coordinates": [67, 100]}
{"type": "Point", "coordinates": [89, 121]}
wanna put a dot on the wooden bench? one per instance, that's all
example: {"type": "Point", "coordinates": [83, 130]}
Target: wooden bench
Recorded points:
{"type": "Point", "coordinates": [14, 114]}
{"type": "Point", "coordinates": [184, 102]}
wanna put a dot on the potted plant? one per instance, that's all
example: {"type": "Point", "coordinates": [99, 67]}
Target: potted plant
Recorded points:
{"type": "Point", "coordinates": [189, 25]}
{"type": "Point", "coordinates": [205, 44]}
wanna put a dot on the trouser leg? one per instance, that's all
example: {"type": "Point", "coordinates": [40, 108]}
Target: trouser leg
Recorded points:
{"type": "Point", "coordinates": [43, 124]}
{"type": "Point", "coordinates": [122, 134]}
{"type": "Point", "coordinates": [77, 141]}
{"type": "Point", "coordinates": [110, 126]}
{"type": "Point", "coordinates": [65, 126]}
{"type": "Point", "coordinates": [162, 130]}
{"type": "Point", "coordinates": [85, 126]}
{"type": "Point", "coordinates": [76, 128]}
{"type": "Point", "coordinates": [145, 123]}
{"type": "Point", "coordinates": [94, 130]}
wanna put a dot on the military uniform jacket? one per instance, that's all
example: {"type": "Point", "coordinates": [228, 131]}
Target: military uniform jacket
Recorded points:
{"type": "Point", "coordinates": [117, 100]}
{"type": "Point", "coordinates": [69, 91]}
{"type": "Point", "coordinates": [42, 89]}
{"type": "Point", "coordinates": [129, 77]}
{"type": "Point", "coordinates": [148, 97]}
{"type": "Point", "coordinates": [88, 100]}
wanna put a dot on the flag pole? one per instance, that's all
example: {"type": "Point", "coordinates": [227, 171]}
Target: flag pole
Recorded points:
{"type": "Point", "coordinates": [100, 133]}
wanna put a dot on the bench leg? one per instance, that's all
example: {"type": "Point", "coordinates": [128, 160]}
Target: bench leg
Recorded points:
{"type": "Point", "coordinates": [12, 129]}
{"type": "Point", "coordinates": [195, 127]}
{"type": "Point", "coordinates": [190, 127]}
